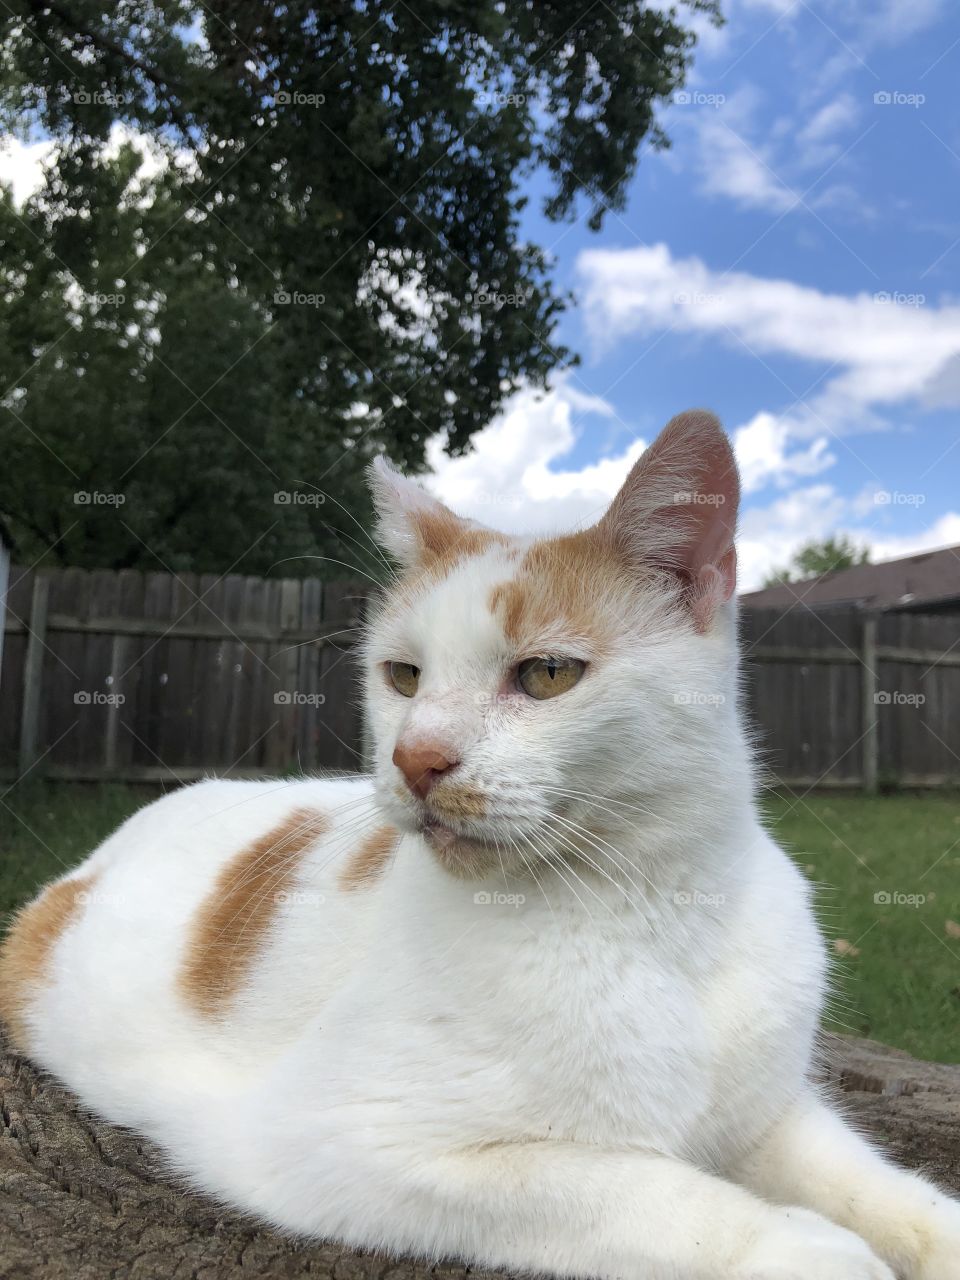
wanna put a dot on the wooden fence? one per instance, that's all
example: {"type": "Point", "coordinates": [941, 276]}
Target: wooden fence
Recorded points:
{"type": "Point", "coordinates": [150, 677]}
{"type": "Point", "coordinates": [845, 697]}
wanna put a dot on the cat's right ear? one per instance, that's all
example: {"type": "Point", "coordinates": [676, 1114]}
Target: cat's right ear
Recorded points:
{"type": "Point", "coordinates": [413, 525]}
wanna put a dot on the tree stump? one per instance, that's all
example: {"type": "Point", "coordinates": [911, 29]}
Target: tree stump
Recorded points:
{"type": "Point", "coordinates": [83, 1200]}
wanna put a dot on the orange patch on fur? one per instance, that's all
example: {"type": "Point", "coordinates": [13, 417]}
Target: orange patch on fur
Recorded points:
{"type": "Point", "coordinates": [232, 924]}
{"type": "Point", "coordinates": [445, 539]}
{"type": "Point", "coordinates": [368, 862]}
{"type": "Point", "coordinates": [562, 580]}
{"type": "Point", "coordinates": [26, 950]}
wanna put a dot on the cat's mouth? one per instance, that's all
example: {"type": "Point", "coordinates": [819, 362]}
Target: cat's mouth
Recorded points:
{"type": "Point", "coordinates": [462, 854]}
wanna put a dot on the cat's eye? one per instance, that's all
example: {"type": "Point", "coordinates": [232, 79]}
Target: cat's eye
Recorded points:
{"type": "Point", "coordinates": [404, 677]}
{"type": "Point", "coordinates": [546, 677]}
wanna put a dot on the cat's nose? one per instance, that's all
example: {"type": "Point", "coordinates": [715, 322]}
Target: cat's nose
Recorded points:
{"type": "Point", "coordinates": [422, 764]}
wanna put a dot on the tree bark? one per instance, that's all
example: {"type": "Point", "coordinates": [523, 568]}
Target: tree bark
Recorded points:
{"type": "Point", "coordinates": [83, 1200]}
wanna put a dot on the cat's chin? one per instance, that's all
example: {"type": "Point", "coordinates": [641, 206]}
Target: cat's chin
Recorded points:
{"type": "Point", "coordinates": [460, 855]}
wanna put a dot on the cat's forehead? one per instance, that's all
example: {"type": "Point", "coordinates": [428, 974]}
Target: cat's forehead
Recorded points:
{"type": "Point", "coordinates": [523, 593]}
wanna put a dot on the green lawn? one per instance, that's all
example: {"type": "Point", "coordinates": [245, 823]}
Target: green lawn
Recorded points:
{"type": "Point", "coordinates": [897, 960]}
{"type": "Point", "coordinates": [888, 871]}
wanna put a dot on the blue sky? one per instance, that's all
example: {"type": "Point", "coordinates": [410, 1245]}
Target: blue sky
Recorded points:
{"type": "Point", "coordinates": [791, 263]}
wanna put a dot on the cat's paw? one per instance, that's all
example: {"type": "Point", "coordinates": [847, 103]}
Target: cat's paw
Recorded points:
{"type": "Point", "coordinates": [803, 1246]}
{"type": "Point", "coordinates": [939, 1256]}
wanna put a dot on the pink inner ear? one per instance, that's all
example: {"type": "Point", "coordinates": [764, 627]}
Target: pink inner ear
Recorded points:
{"type": "Point", "coordinates": [712, 587]}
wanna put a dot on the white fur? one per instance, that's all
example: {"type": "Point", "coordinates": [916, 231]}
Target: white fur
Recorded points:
{"type": "Point", "coordinates": [586, 1070]}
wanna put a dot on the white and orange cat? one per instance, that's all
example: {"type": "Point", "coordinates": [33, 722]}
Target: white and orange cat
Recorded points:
{"type": "Point", "coordinates": [541, 993]}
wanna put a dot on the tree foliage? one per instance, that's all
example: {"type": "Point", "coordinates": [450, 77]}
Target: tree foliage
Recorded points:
{"type": "Point", "coordinates": [813, 558]}
{"type": "Point", "coordinates": [326, 262]}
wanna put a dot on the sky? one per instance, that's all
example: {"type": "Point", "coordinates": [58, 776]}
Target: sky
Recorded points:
{"type": "Point", "coordinates": [791, 263]}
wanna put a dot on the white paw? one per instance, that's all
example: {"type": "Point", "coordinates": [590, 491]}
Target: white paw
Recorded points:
{"type": "Point", "coordinates": [803, 1246]}
{"type": "Point", "coordinates": [940, 1259]}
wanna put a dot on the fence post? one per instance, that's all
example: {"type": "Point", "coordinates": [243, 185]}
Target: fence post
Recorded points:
{"type": "Point", "coordinates": [871, 683]}
{"type": "Point", "coordinates": [118, 654]}
{"type": "Point", "coordinates": [33, 674]}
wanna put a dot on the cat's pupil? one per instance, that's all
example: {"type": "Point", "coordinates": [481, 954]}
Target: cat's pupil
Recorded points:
{"type": "Point", "coordinates": [551, 669]}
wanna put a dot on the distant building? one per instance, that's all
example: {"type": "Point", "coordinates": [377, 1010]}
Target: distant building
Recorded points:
{"type": "Point", "coordinates": [929, 581]}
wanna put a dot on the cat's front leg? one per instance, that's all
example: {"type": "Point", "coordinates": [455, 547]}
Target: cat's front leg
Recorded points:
{"type": "Point", "coordinates": [565, 1210]}
{"type": "Point", "coordinates": [813, 1158]}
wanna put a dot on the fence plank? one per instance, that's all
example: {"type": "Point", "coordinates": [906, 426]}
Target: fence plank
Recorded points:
{"type": "Point", "coordinates": [33, 674]}
{"type": "Point", "coordinates": [871, 686]}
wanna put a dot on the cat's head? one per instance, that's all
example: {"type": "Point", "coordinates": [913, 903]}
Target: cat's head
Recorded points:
{"type": "Point", "coordinates": [533, 693]}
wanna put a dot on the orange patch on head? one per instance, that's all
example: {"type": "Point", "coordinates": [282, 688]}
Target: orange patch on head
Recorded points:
{"type": "Point", "coordinates": [233, 922]}
{"type": "Point", "coordinates": [566, 580]}
{"type": "Point", "coordinates": [27, 948]}
{"type": "Point", "coordinates": [369, 860]}
{"type": "Point", "coordinates": [445, 539]}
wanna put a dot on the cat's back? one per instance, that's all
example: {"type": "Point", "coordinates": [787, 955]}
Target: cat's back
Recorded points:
{"type": "Point", "coordinates": [216, 917]}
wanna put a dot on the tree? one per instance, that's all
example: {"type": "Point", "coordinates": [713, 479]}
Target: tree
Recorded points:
{"type": "Point", "coordinates": [813, 558]}
{"type": "Point", "coordinates": [332, 245]}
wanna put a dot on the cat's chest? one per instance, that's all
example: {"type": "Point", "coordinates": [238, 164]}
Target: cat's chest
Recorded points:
{"type": "Point", "coordinates": [607, 1038]}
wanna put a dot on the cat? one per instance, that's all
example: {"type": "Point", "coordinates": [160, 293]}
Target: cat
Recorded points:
{"type": "Point", "coordinates": [541, 993]}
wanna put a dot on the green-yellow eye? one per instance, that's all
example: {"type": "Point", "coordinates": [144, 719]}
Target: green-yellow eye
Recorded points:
{"type": "Point", "coordinates": [546, 677]}
{"type": "Point", "coordinates": [404, 677]}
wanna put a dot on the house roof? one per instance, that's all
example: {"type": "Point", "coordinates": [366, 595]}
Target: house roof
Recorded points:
{"type": "Point", "coordinates": [931, 577]}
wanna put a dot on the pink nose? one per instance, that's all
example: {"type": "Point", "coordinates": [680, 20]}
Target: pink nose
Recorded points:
{"type": "Point", "coordinates": [421, 765]}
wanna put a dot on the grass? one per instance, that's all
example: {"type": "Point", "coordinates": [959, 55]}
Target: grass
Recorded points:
{"type": "Point", "coordinates": [888, 871]}
{"type": "Point", "coordinates": [897, 962]}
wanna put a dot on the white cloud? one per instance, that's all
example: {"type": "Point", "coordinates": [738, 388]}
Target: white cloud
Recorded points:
{"type": "Point", "coordinates": [733, 164]}
{"type": "Point", "coordinates": [508, 480]}
{"type": "Point", "coordinates": [818, 143]}
{"type": "Point", "coordinates": [888, 351]}
{"type": "Point", "coordinates": [763, 454]}
{"type": "Point", "coordinates": [21, 165]}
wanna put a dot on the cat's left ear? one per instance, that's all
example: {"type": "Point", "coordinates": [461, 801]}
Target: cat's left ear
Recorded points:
{"type": "Point", "coordinates": [413, 525]}
{"type": "Point", "coordinates": [677, 511]}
